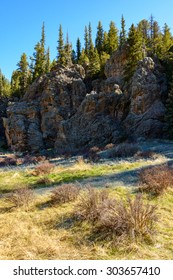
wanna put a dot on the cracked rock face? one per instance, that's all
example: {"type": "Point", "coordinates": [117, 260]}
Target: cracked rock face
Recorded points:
{"type": "Point", "coordinates": [56, 112]}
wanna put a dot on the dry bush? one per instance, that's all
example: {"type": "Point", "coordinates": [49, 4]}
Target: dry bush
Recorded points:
{"type": "Point", "coordinates": [44, 168]}
{"type": "Point", "coordinates": [124, 150]}
{"type": "Point", "coordinates": [21, 197]}
{"type": "Point", "coordinates": [44, 180]}
{"type": "Point", "coordinates": [89, 202]}
{"type": "Point", "coordinates": [155, 180]}
{"type": "Point", "coordinates": [146, 154]}
{"type": "Point", "coordinates": [133, 218]}
{"type": "Point", "coordinates": [93, 154]}
{"type": "Point", "coordinates": [29, 159]}
{"type": "Point", "coordinates": [109, 146]}
{"type": "Point", "coordinates": [65, 193]}
{"type": "Point", "coordinates": [9, 160]}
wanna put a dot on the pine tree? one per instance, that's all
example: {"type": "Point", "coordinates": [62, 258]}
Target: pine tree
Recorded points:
{"type": "Point", "coordinates": [122, 37]}
{"type": "Point", "coordinates": [167, 41]}
{"type": "Point", "coordinates": [90, 42]}
{"type": "Point", "coordinates": [99, 38]}
{"type": "Point", "coordinates": [94, 62]}
{"type": "Point", "coordinates": [112, 40]}
{"type": "Point", "coordinates": [23, 71]}
{"type": "Point", "coordinates": [135, 53]}
{"type": "Point", "coordinates": [38, 65]}
{"type": "Point", "coordinates": [86, 41]}
{"type": "Point", "coordinates": [48, 63]}
{"type": "Point", "coordinates": [84, 60]}
{"type": "Point", "coordinates": [105, 42]}
{"type": "Point", "coordinates": [60, 48]}
{"type": "Point", "coordinates": [15, 83]}
{"type": "Point", "coordinates": [78, 49]}
{"type": "Point", "coordinates": [67, 52]}
{"type": "Point", "coordinates": [5, 87]}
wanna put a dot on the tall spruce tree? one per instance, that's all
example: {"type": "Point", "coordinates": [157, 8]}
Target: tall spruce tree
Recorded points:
{"type": "Point", "coordinates": [86, 40]}
{"type": "Point", "coordinates": [112, 39]}
{"type": "Point", "coordinates": [122, 37]}
{"type": "Point", "coordinates": [135, 51]}
{"type": "Point", "coordinates": [5, 87]}
{"type": "Point", "coordinates": [78, 49]}
{"type": "Point", "coordinates": [38, 65]}
{"type": "Point", "coordinates": [99, 38]}
{"type": "Point", "coordinates": [60, 48]}
{"type": "Point", "coordinates": [24, 73]}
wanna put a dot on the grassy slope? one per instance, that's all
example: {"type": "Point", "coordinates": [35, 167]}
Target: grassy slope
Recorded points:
{"type": "Point", "coordinates": [44, 232]}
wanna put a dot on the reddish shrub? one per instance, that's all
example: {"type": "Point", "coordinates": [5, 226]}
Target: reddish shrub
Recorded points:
{"type": "Point", "coordinates": [44, 168]}
{"type": "Point", "coordinates": [156, 180]}
{"type": "Point", "coordinates": [65, 193]}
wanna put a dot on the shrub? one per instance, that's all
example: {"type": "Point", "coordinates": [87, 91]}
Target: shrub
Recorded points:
{"type": "Point", "coordinates": [132, 218]}
{"type": "Point", "coordinates": [65, 193]}
{"type": "Point", "coordinates": [28, 159]}
{"type": "Point", "coordinates": [146, 154]}
{"type": "Point", "coordinates": [89, 202]}
{"type": "Point", "coordinates": [8, 160]}
{"type": "Point", "coordinates": [21, 197]}
{"type": "Point", "coordinates": [93, 154]}
{"type": "Point", "coordinates": [44, 168]}
{"type": "Point", "coordinates": [155, 180]}
{"type": "Point", "coordinates": [124, 150]}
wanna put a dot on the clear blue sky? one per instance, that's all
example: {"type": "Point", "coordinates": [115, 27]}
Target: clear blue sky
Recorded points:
{"type": "Point", "coordinates": [21, 21]}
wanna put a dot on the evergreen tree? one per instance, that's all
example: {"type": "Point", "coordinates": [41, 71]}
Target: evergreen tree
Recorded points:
{"type": "Point", "coordinates": [90, 41]}
{"type": "Point", "coordinates": [99, 38]}
{"type": "Point", "coordinates": [15, 83]}
{"type": "Point", "coordinates": [112, 39]}
{"type": "Point", "coordinates": [38, 65]}
{"type": "Point", "coordinates": [122, 37]}
{"type": "Point", "coordinates": [60, 48]}
{"type": "Point", "coordinates": [167, 41]}
{"type": "Point", "coordinates": [67, 52]}
{"type": "Point", "coordinates": [5, 88]}
{"type": "Point", "coordinates": [48, 63]}
{"type": "Point", "coordinates": [84, 60]}
{"type": "Point", "coordinates": [94, 62]}
{"type": "Point", "coordinates": [135, 51]}
{"type": "Point", "coordinates": [78, 49]}
{"type": "Point", "coordinates": [105, 42]}
{"type": "Point", "coordinates": [86, 41]}
{"type": "Point", "coordinates": [23, 71]}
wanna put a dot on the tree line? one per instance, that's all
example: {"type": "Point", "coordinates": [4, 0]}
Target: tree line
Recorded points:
{"type": "Point", "coordinates": [144, 39]}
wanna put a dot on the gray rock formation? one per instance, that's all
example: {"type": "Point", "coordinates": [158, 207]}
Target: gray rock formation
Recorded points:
{"type": "Point", "coordinates": [57, 113]}
{"type": "Point", "coordinates": [146, 110]}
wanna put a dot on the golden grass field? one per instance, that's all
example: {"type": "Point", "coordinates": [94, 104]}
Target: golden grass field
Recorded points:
{"type": "Point", "coordinates": [41, 230]}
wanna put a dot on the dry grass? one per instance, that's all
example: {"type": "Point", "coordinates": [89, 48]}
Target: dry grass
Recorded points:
{"type": "Point", "coordinates": [156, 180]}
{"type": "Point", "coordinates": [51, 233]}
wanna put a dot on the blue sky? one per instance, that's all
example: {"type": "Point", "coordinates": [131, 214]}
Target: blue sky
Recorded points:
{"type": "Point", "coordinates": [21, 21]}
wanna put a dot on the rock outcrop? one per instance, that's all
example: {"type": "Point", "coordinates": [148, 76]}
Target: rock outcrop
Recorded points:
{"type": "Point", "coordinates": [146, 110]}
{"type": "Point", "coordinates": [56, 112]}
